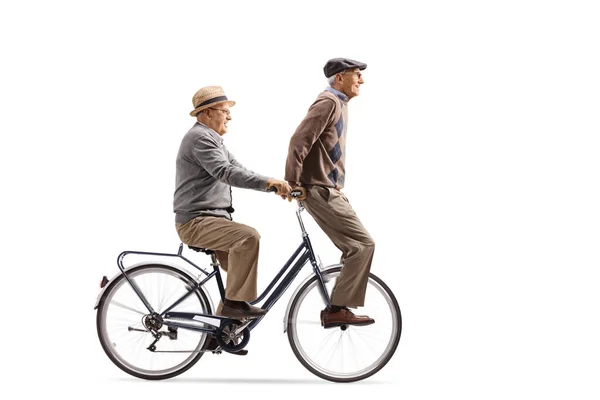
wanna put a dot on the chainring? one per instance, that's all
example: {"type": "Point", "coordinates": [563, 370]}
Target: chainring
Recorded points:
{"type": "Point", "coordinates": [229, 341]}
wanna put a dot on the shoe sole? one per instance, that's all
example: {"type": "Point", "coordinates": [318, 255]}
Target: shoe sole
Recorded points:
{"type": "Point", "coordinates": [235, 313]}
{"type": "Point", "coordinates": [338, 324]}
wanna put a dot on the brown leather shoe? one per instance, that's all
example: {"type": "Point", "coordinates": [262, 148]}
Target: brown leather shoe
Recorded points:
{"type": "Point", "coordinates": [240, 309]}
{"type": "Point", "coordinates": [344, 316]}
{"type": "Point", "coordinates": [213, 344]}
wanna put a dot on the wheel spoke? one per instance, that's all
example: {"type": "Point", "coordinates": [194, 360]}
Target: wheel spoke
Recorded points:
{"type": "Point", "coordinates": [121, 305]}
{"type": "Point", "coordinates": [366, 343]}
{"type": "Point", "coordinates": [332, 351]}
{"type": "Point", "coordinates": [321, 345]}
{"type": "Point", "coordinates": [355, 351]}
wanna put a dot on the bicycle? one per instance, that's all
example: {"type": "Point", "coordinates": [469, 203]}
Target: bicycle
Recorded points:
{"type": "Point", "coordinates": [171, 321]}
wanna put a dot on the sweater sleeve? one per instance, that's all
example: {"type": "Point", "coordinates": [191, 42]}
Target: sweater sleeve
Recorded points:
{"type": "Point", "coordinates": [214, 160]}
{"type": "Point", "coordinates": [233, 161]}
{"type": "Point", "coordinates": [319, 114]}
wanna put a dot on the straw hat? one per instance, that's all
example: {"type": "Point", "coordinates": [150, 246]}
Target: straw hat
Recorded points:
{"type": "Point", "coordinates": [208, 96]}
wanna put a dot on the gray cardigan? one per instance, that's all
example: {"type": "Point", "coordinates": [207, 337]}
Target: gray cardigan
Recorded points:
{"type": "Point", "coordinates": [205, 172]}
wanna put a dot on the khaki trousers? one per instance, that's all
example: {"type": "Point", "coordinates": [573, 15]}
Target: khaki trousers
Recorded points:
{"type": "Point", "coordinates": [236, 246]}
{"type": "Point", "coordinates": [334, 214]}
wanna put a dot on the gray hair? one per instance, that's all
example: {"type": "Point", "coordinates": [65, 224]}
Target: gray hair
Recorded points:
{"type": "Point", "coordinates": [331, 79]}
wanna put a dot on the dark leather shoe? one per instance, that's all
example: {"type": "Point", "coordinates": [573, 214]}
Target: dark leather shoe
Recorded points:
{"type": "Point", "coordinates": [213, 345]}
{"type": "Point", "coordinates": [344, 316]}
{"type": "Point", "coordinates": [241, 309]}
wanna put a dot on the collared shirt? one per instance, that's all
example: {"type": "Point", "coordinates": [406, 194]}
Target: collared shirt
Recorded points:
{"type": "Point", "coordinates": [205, 171]}
{"type": "Point", "coordinates": [339, 94]}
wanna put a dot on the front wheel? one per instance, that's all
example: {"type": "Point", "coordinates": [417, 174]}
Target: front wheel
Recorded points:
{"type": "Point", "coordinates": [347, 353]}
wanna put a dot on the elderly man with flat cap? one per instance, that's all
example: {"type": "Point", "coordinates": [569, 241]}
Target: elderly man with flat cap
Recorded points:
{"type": "Point", "coordinates": [315, 164]}
{"type": "Point", "coordinates": [205, 173]}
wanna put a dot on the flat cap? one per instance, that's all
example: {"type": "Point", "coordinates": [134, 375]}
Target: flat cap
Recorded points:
{"type": "Point", "coordinates": [336, 65]}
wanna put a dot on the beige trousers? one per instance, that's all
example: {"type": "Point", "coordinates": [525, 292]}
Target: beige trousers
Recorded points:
{"type": "Point", "coordinates": [334, 214]}
{"type": "Point", "coordinates": [236, 246]}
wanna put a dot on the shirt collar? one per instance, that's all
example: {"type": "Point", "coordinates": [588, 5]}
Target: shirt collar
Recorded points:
{"type": "Point", "coordinates": [339, 94]}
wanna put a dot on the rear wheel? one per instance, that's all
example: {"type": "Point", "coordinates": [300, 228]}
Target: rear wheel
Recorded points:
{"type": "Point", "coordinates": [346, 353]}
{"type": "Point", "coordinates": [128, 332]}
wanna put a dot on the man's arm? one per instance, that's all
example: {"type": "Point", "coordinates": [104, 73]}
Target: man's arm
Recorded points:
{"type": "Point", "coordinates": [233, 161]}
{"type": "Point", "coordinates": [319, 115]}
{"type": "Point", "coordinates": [207, 152]}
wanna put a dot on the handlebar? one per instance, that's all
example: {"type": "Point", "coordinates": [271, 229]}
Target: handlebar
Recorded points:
{"type": "Point", "coordinates": [293, 193]}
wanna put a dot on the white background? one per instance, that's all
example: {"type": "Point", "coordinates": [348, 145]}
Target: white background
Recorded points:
{"type": "Point", "coordinates": [472, 159]}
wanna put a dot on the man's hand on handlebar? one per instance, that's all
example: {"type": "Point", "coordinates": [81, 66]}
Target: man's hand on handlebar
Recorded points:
{"type": "Point", "coordinates": [280, 187]}
{"type": "Point", "coordinates": [298, 193]}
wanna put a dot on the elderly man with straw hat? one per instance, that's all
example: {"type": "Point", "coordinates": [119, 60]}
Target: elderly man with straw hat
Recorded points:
{"type": "Point", "coordinates": [316, 165]}
{"type": "Point", "coordinates": [205, 173]}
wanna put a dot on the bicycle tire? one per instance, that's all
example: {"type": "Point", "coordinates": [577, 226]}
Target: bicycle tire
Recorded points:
{"type": "Point", "coordinates": [109, 347]}
{"type": "Point", "coordinates": [292, 329]}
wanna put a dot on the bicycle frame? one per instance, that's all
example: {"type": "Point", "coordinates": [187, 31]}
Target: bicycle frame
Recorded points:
{"type": "Point", "coordinates": [296, 262]}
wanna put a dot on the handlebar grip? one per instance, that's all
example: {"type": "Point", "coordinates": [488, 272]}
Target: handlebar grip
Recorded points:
{"type": "Point", "coordinates": [293, 193]}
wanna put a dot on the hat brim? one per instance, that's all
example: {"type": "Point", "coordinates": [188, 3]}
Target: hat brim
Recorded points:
{"type": "Point", "coordinates": [360, 67]}
{"type": "Point", "coordinates": [195, 112]}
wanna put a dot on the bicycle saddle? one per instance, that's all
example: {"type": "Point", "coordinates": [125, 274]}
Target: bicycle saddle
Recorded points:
{"type": "Point", "coordinates": [199, 249]}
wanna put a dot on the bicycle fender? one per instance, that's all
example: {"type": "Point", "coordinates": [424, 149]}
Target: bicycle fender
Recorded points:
{"type": "Point", "coordinates": [168, 264]}
{"type": "Point", "coordinates": [293, 296]}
